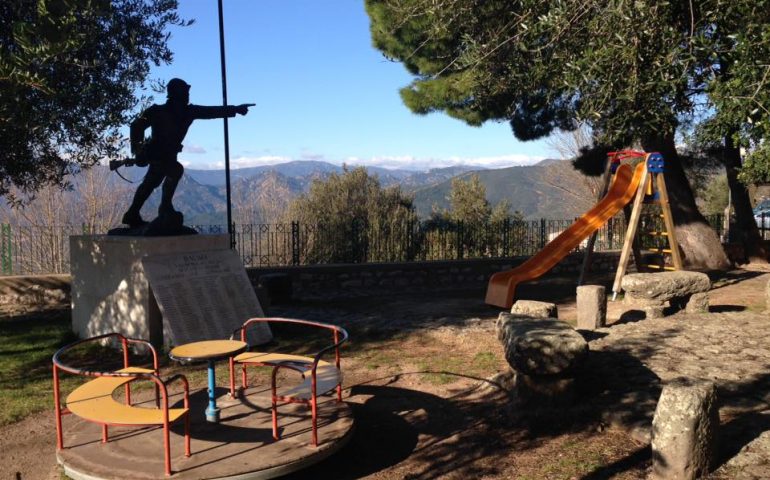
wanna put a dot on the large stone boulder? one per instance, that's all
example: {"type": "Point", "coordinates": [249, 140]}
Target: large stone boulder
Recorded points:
{"type": "Point", "coordinates": [665, 285]}
{"type": "Point", "coordinates": [651, 291]}
{"type": "Point", "coordinates": [684, 430]}
{"type": "Point", "coordinates": [540, 346]}
{"type": "Point", "coordinates": [533, 308]}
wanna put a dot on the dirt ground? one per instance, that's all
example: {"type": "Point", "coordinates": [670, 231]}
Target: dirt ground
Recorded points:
{"type": "Point", "coordinates": [417, 371]}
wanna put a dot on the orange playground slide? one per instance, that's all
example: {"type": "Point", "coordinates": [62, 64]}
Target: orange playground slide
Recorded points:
{"type": "Point", "coordinates": [502, 285]}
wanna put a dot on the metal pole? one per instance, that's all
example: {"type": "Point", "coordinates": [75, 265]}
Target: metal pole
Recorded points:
{"type": "Point", "coordinates": [227, 131]}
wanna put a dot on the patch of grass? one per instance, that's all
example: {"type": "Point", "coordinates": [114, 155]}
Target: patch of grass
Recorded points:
{"type": "Point", "coordinates": [575, 458]}
{"type": "Point", "coordinates": [484, 362]}
{"type": "Point", "coordinates": [375, 359]}
{"type": "Point", "coordinates": [442, 369]}
{"type": "Point", "coordinates": [27, 343]}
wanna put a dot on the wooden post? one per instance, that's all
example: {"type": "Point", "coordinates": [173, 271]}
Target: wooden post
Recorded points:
{"type": "Point", "coordinates": [633, 222]}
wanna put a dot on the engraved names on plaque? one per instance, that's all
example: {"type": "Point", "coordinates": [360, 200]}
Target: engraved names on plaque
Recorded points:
{"type": "Point", "coordinates": [203, 296]}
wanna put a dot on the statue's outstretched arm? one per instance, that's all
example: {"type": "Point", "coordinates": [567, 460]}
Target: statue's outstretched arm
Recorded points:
{"type": "Point", "coordinates": [206, 112]}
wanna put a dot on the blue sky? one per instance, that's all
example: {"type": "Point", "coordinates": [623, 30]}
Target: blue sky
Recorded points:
{"type": "Point", "coordinates": [322, 93]}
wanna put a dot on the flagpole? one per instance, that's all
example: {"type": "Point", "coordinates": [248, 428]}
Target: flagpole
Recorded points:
{"type": "Point", "coordinates": [227, 131]}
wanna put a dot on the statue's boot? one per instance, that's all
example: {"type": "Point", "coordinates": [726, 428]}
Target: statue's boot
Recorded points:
{"type": "Point", "coordinates": [132, 218]}
{"type": "Point", "coordinates": [166, 207]}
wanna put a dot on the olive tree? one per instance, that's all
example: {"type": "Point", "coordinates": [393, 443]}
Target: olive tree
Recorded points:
{"type": "Point", "coordinates": [69, 70]}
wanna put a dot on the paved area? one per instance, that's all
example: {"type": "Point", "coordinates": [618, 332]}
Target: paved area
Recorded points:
{"type": "Point", "coordinates": [728, 348]}
{"type": "Point", "coordinates": [632, 359]}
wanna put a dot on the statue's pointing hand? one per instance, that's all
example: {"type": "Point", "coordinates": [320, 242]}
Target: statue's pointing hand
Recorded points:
{"type": "Point", "coordinates": [243, 108]}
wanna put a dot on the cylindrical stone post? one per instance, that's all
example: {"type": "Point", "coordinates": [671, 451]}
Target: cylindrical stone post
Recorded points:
{"type": "Point", "coordinates": [591, 307]}
{"type": "Point", "coordinates": [684, 430]}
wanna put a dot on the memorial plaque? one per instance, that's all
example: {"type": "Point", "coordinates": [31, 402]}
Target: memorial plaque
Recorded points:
{"type": "Point", "coordinates": [203, 296]}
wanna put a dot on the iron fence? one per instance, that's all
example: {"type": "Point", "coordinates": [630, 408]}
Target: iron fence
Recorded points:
{"type": "Point", "coordinates": [26, 250]}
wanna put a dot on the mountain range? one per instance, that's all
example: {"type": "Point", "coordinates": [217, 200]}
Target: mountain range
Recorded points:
{"type": "Point", "coordinates": [549, 189]}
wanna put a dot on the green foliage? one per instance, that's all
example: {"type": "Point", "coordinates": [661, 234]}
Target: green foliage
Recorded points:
{"type": "Point", "coordinates": [68, 73]}
{"type": "Point", "coordinates": [502, 212]}
{"type": "Point", "coordinates": [348, 210]}
{"type": "Point", "coordinates": [631, 71]}
{"type": "Point", "coordinates": [716, 196]}
{"type": "Point", "coordinates": [468, 201]}
{"type": "Point", "coordinates": [756, 166]}
{"type": "Point", "coordinates": [735, 71]}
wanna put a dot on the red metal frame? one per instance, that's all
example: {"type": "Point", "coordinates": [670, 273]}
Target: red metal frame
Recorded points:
{"type": "Point", "coordinates": [313, 402]}
{"type": "Point", "coordinates": [160, 392]}
{"type": "Point", "coordinates": [625, 155]}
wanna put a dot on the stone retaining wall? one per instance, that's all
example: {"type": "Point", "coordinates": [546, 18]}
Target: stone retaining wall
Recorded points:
{"type": "Point", "coordinates": [336, 280]}
{"type": "Point", "coordinates": [362, 279]}
{"type": "Point", "coordinates": [35, 290]}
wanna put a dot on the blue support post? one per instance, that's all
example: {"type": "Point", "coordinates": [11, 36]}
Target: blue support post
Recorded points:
{"type": "Point", "coordinates": [212, 412]}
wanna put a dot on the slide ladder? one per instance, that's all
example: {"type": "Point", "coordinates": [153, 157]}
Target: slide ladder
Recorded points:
{"type": "Point", "coordinates": [651, 189]}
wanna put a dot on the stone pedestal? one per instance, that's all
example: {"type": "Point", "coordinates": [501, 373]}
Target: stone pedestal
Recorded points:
{"type": "Point", "coordinates": [110, 292]}
{"type": "Point", "coordinates": [591, 307]}
{"type": "Point", "coordinates": [685, 430]}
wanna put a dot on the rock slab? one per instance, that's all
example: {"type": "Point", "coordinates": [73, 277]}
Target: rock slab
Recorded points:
{"type": "Point", "coordinates": [684, 430]}
{"type": "Point", "coordinates": [533, 308]}
{"type": "Point", "coordinates": [540, 346]}
{"type": "Point", "coordinates": [665, 285]}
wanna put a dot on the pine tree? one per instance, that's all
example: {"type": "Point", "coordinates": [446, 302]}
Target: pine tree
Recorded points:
{"type": "Point", "coordinates": [637, 73]}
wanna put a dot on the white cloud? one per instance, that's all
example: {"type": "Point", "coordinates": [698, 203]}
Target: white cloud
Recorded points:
{"type": "Point", "coordinates": [416, 163]}
{"type": "Point", "coordinates": [309, 155]}
{"type": "Point", "coordinates": [244, 162]}
{"type": "Point", "coordinates": [406, 162]}
{"type": "Point", "coordinates": [193, 149]}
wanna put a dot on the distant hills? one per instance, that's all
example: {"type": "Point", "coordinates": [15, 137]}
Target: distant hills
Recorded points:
{"type": "Point", "coordinates": [308, 170]}
{"type": "Point", "coordinates": [549, 189]}
{"type": "Point", "coordinates": [201, 193]}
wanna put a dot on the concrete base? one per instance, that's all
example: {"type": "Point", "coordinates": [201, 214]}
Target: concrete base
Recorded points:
{"type": "Point", "coordinates": [240, 447]}
{"type": "Point", "coordinates": [110, 292]}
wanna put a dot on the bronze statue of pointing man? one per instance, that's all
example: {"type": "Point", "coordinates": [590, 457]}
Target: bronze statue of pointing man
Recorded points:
{"type": "Point", "coordinates": [169, 123]}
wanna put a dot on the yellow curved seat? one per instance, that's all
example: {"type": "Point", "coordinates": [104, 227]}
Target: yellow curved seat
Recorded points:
{"type": "Point", "coordinates": [94, 401]}
{"type": "Point", "coordinates": [328, 376]}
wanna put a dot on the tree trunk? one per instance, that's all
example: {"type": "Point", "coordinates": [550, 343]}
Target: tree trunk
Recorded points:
{"type": "Point", "coordinates": [747, 231]}
{"type": "Point", "coordinates": [699, 242]}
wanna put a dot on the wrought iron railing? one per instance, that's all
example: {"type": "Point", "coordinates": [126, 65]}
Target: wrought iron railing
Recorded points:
{"type": "Point", "coordinates": [28, 250]}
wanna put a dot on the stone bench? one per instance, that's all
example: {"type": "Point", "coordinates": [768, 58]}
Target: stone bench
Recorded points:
{"type": "Point", "coordinates": [544, 353]}
{"type": "Point", "coordinates": [651, 291]}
